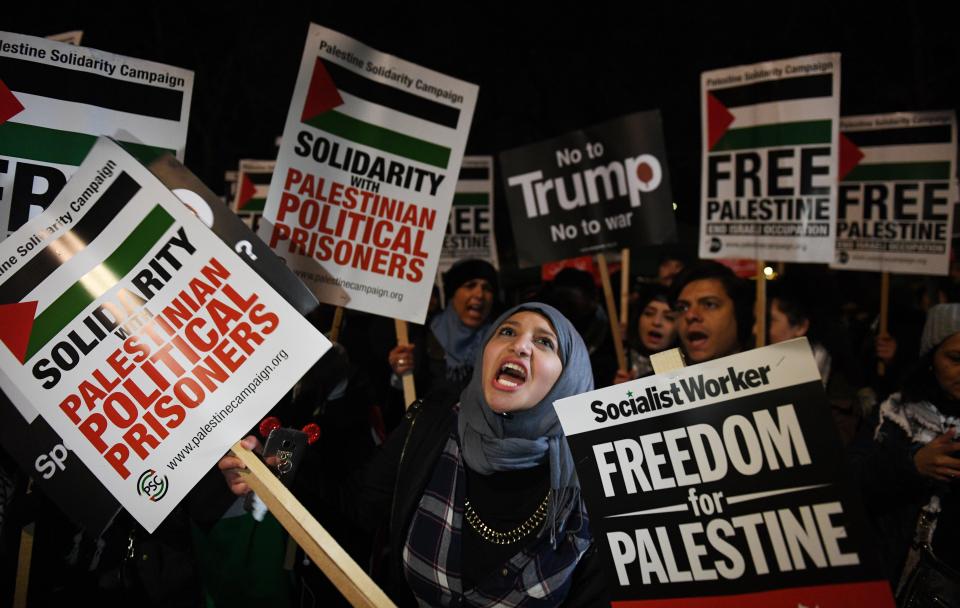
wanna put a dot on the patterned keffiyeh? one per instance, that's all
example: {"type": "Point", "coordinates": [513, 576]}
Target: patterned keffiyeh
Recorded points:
{"type": "Point", "coordinates": [920, 420]}
{"type": "Point", "coordinates": [538, 574]}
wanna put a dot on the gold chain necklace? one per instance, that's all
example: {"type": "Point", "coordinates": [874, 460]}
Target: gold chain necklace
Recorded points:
{"type": "Point", "coordinates": [511, 536]}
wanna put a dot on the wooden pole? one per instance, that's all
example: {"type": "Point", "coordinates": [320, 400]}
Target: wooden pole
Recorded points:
{"type": "Point", "coordinates": [23, 566]}
{"type": "Point", "coordinates": [624, 286]}
{"type": "Point", "coordinates": [409, 387]}
{"type": "Point", "coordinates": [761, 310]}
{"type": "Point", "coordinates": [336, 564]}
{"type": "Point", "coordinates": [884, 314]}
{"type": "Point", "coordinates": [334, 335]}
{"type": "Point", "coordinates": [612, 312]}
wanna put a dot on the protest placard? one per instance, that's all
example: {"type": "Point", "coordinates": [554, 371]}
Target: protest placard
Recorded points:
{"type": "Point", "coordinates": [598, 189]}
{"type": "Point", "coordinates": [898, 176]}
{"type": "Point", "coordinates": [56, 98]}
{"type": "Point", "coordinates": [470, 228]}
{"type": "Point", "coordinates": [250, 195]}
{"type": "Point", "coordinates": [37, 448]}
{"type": "Point", "coordinates": [142, 339]}
{"type": "Point", "coordinates": [366, 172]}
{"type": "Point", "coordinates": [719, 485]}
{"type": "Point", "coordinates": [770, 139]}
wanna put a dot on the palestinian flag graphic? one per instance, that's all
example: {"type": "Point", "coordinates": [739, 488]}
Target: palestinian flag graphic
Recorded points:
{"type": "Point", "coordinates": [743, 117]}
{"type": "Point", "coordinates": [31, 315]}
{"type": "Point", "coordinates": [253, 184]}
{"type": "Point", "coordinates": [770, 141]}
{"type": "Point", "coordinates": [348, 104]}
{"type": "Point", "coordinates": [897, 189]}
{"type": "Point", "coordinates": [66, 100]}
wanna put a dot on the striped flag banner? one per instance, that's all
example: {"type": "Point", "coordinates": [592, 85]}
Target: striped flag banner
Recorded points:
{"type": "Point", "coordinates": [470, 228]}
{"type": "Point", "coordinates": [898, 186]}
{"type": "Point", "coordinates": [770, 133]}
{"type": "Point", "coordinates": [366, 174]}
{"type": "Point", "coordinates": [141, 338]}
{"type": "Point", "coordinates": [68, 96]}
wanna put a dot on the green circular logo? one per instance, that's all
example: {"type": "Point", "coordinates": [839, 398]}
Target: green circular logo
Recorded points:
{"type": "Point", "coordinates": [152, 485]}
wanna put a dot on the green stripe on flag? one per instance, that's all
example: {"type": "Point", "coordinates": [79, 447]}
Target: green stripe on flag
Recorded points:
{"type": "Point", "coordinates": [78, 296]}
{"type": "Point", "coordinates": [882, 172]}
{"type": "Point", "coordinates": [776, 135]}
{"type": "Point", "coordinates": [56, 146]}
{"type": "Point", "coordinates": [254, 204]}
{"type": "Point", "coordinates": [381, 138]}
{"type": "Point", "coordinates": [471, 198]}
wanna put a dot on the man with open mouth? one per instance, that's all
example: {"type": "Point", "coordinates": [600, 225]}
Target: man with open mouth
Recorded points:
{"type": "Point", "coordinates": [714, 312]}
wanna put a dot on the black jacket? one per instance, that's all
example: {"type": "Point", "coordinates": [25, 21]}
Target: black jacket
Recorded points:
{"type": "Point", "coordinates": [391, 486]}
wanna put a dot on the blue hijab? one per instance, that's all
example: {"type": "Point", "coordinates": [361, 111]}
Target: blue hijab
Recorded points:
{"type": "Point", "coordinates": [460, 343]}
{"type": "Point", "coordinates": [491, 442]}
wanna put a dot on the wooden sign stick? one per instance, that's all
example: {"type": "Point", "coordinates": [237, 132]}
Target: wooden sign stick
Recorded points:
{"type": "Point", "coordinates": [326, 553]}
{"type": "Point", "coordinates": [23, 566]}
{"type": "Point", "coordinates": [624, 286]}
{"type": "Point", "coordinates": [612, 312]}
{"type": "Point", "coordinates": [884, 314]}
{"type": "Point", "coordinates": [761, 309]}
{"type": "Point", "coordinates": [409, 387]}
{"type": "Point", "coordinates": [334, 335]}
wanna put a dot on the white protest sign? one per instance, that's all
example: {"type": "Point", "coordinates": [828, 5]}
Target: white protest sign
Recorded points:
{"type": "Point", "coordinates": [770, 139]}
{"type": "Point", "coordinates": [56, 98]}
{"type": "Point", "coordinates": [470, 229]}
{"type": "Point", "coordinates": [146, 343]}
{"type": "Point", "coordinates": [898, 182]}
{"type": "Point", "coordinates": [366, 172]}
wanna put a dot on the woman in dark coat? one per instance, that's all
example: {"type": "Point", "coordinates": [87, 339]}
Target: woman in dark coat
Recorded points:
{"type": "Point", "coordinates": [480, 495]}
{"type": "Point", "coordinates": [912, 460]}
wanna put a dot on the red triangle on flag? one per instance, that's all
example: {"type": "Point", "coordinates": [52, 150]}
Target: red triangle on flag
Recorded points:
{"type": "Point", "coordinates": [16, 325]}
{"type": "Point", "coordinates": [850, 156]}
{"type": "Point", "coordinates": [322, 95]}
{"type": "Point", "coordinates": [718, 119]}
{"type": "Point", "coordinates": [10, 106]}
{"type": "Point", "coordinates": [247, 190]}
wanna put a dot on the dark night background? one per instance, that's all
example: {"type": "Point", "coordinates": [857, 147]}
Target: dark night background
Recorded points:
{"type": "Point", "coordinates": [542, 70]}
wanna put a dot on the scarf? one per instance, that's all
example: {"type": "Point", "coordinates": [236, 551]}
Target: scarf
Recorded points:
{"type": "Point", "coordinates": [460, 343]}
{"type": "Point", "coordinates": [921, 420]}
{"type": "Point", "coordinates": [537, 576]}
{"type": "Point", "coordinates": [491, 442]}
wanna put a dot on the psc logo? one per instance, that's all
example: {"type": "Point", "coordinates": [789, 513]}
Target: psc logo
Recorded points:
{"type": "Point", "coordinates": [152, 485]}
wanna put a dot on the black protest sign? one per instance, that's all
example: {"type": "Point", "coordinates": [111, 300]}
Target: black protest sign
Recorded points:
{"type": "Point", "coordinates": [56, 470]}
{"type": "Point", "coordinates": [721, 485]}
{"type": "Point", "coordinates": [597, 189]}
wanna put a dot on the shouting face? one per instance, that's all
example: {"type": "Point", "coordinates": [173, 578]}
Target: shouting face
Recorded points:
{"type": "Point", "coordinates": [521, 362]}
{"type": "Point", "coordinates": [472, 302]}
{"type": "Point", "coordinates": [707, 323]}
{"type": "Point", "coordinates": [657, 326]}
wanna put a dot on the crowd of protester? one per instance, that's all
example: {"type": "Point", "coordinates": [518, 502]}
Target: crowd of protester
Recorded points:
{"type": "Point", "coordinates": [894, 398]}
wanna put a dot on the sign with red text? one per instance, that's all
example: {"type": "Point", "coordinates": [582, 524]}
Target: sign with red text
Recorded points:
{"type": "Point", "coordinates": [898, 183]}
{"type": "Point", "coordinates": [470, 228]}
{"type": "Point", "coordinates": [144, 341]}
{"type": "Point", "coordinates": [770, 139]}
{"type": "Point", "coordinates": [56, 98]}
{"type": "Point", "coordinates": [717, 485]}
{"type": "Point", "coordinates": [598, 189]}
{"type": "Point", "coordinates": [365, 176]}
